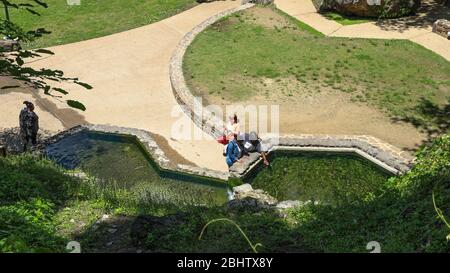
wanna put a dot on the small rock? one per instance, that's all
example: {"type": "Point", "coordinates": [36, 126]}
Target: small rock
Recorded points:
{"type": "Point", "coordinates": [243, 189]}
{"type": "Point", "coordinates": [110, 243]}
{"type": "Point", "coordinates": [289, 204]}
{"type": "Point", "coordinates": [139, 251]}
{"type": "Point", "coordinates": [105, 216]}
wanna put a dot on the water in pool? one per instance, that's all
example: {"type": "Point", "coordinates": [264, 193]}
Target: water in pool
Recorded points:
{"type": "Point", "coordinates": [329, 178]}
{"type": "Point", "coordinates": [119, 162]}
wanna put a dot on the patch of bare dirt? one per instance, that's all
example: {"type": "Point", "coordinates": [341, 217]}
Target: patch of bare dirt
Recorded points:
{"type": "Point", "coordinates": [266, 17]}
{"type": "Point", "coordinates": [332, 112]}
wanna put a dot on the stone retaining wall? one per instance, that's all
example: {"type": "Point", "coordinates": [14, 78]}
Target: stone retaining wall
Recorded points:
{"type": "Point", "coordinates": [382, 154]}
{"type": "Point", "coordinates": [205, 119]}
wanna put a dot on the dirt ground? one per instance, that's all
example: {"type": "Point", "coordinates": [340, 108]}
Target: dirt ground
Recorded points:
{"type": "Point", "coordinates": [336, 114]}
{"type": "Point", "coordinates": [318, 110]}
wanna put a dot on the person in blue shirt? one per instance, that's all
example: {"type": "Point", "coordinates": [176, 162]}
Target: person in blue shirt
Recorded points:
{"type": "Point", "coordinates": [232, 151]}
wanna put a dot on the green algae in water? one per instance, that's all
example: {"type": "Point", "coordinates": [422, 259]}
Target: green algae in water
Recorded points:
{"type": "Point", "coordinates": [122, 166]}
{"type": "Point", "coordinates": [329, 178]}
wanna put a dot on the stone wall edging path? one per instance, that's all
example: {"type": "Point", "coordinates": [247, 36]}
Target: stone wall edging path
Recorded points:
{"type": "Point", "coordinates": [189, 103]}
{"type": "Point", "coordinates": [378, 152]}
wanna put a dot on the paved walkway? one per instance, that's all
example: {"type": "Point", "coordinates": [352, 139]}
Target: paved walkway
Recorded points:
{"type": "Point", "coordinates": [417, 28]}
{"type": "Point", "coordinates": [130, 75]}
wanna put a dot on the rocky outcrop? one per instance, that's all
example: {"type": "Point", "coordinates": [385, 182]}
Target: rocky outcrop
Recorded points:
{"type": "Point", "coordinates": [370, 8]}
{"type": "Point", "coordinates": [442, 27]}
{"type": "Point", "coordinates": [246, 198]}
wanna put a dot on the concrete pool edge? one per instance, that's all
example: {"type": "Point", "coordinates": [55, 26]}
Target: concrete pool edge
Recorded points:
{"type": "Point", "coordinates": [146, 141]}
{"type": "Point", "coordinates": [381, 154]}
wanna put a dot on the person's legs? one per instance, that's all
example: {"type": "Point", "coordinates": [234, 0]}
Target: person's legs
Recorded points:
{"type": "Point", "coordinates": [262, 151]}
{"type": "Point", "coordinates": [229, 161]}
{"type": "Point", "coordinates": [33, 139]}
{"type": "Point", "coordinates": [22, 137]}
{"type": "Point", "coordinates": [26, 140]}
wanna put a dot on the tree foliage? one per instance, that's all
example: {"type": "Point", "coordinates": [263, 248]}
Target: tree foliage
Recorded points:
{"type": "Point", "coordinates": [14, 63]}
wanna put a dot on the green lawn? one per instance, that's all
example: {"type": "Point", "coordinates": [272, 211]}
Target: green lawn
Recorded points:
{"type": "Point", "coordinates": [233, 59]}
{"type": "Point", "coordinates": [94, 18]}
{"type": "Point", "coordinates": [345, 20]}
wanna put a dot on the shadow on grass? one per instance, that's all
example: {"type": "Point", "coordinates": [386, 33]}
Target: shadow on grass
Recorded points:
{"type": "Point", "coordinates": [432, 119]}
{"type": "Point", "coordinates": [179, 233]}
{"type": "Point", "coordinates": [31, 192]}
{"type": "Point", "coordinates": [399, 223]}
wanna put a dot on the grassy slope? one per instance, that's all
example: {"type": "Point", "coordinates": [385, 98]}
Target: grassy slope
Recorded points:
{"type": "Point", "coordinates": [400, 216]}
{"type": "Point", "coordinates": [38, 203]}
{"type": "Point", "coordinates": [230, 61]}
{"type": "Point", "coordinates": [95, 18]}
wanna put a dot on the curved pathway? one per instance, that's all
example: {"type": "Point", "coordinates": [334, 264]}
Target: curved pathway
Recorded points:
{"type": "Point", "coordinates": [417, 29]}
{"type": "Point", "coordinates": [130, 75]}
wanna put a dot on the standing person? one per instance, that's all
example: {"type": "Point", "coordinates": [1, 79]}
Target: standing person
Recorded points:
{"type": "Point", "coordinates": [22, 122]}
{"type": "Point", "coordinates": [31, 121]}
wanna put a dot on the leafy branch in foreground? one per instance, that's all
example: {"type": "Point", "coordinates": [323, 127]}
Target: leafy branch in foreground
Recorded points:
{"type": "Point", "coordinates": [253, 246]}
{"type": "Point", "coordinates": [440, 214]}
{"type": "Point", "coordinates": [12, 63]}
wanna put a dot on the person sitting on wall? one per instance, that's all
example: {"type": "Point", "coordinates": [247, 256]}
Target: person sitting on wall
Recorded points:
{"type": "Point", "coordinates": [232, 151]}
{"type": "Point", "coordinates": [252, 143]}
{"type": "Point", "coordinates": [234, 125]}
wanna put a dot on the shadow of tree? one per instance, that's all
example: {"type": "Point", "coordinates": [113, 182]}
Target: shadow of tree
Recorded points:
{"type": "Point", "coordinates": [431, 119]}
{"type": "Point", "coordinates": [429, 12]}
{"type": "Point", "coordinates": [179, 233]}
{"type": "Point", "coordinates": [10, 138]}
